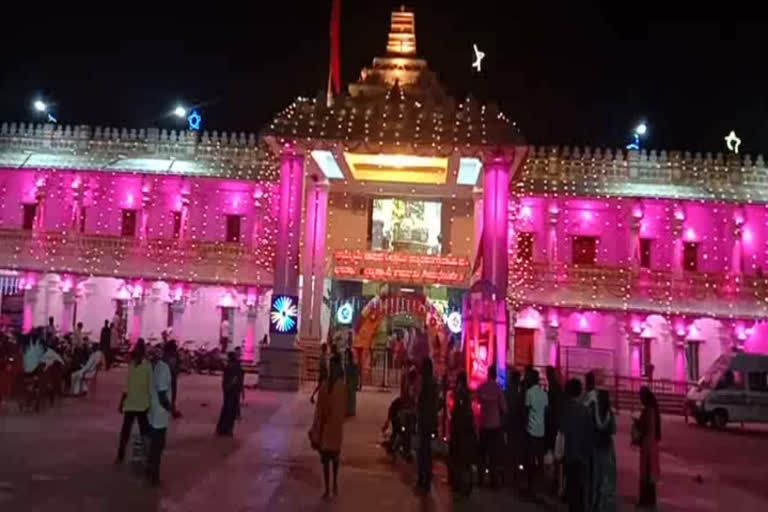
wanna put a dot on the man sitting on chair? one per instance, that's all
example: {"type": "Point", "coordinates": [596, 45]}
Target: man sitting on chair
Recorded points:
{"type": "Point", "coordinates": [95, 360]}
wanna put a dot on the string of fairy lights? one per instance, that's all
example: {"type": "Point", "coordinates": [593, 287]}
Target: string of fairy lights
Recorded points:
{"type": "Point", "coordinates": [575, 181]}
{"type": "Point", "coordinates": [63, 245]}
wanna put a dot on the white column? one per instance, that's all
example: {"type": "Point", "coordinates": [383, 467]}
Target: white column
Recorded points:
{"type": "Point", "coordinates": [68, 309]}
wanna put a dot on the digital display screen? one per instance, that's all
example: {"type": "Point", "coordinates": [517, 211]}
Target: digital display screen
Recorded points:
{"type": "Point", "coordinates": [402, 225]}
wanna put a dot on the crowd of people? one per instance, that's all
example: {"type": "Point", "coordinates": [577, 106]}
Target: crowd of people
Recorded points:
{"type": "Point", "coordinates": [44, 361]}
{"type": "Point", "coordinates": [557, 438]}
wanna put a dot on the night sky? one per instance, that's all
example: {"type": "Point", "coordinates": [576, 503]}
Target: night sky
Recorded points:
{"type": "Point", "coordinates": [568, 72]}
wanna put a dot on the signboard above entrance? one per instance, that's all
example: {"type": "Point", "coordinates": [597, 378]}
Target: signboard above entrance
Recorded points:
{"type": "Point", "coordinates": [401, 267]}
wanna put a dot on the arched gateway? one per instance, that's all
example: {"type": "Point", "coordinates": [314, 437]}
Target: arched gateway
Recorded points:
{"type": "Point", "coordinates": [395, 168]}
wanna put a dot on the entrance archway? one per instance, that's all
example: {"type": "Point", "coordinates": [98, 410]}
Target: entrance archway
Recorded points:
{"type": "Point", "coordinates": [386, 306]}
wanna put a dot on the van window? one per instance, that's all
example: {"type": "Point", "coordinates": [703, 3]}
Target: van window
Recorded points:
{"type": "Point", "coordinates": [758, 381]}
{"type": "Point", "coordinates": [731, 379]}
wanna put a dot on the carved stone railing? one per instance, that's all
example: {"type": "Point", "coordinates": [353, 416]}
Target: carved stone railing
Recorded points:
{"type": "Point", "coordinates": [167, 259]}
{"type": "Point", "coordinates": [666, 289]}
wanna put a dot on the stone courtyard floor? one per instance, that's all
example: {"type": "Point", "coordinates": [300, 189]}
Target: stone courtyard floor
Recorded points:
{"type": "Point", "coordinates": [61, 460]}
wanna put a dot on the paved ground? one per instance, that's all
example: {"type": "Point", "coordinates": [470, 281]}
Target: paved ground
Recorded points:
{"type": "Point", "coordinates": [61, 460]}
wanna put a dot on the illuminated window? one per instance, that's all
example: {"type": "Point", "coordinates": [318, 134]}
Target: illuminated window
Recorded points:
{"type": "Point", "coordinates": [692, 361]}
{"type": "Point", "coordinates": [645, 252]}
{"type": "Point", "coordinates": [758, 381]}
{"type": "Point", "coordinates": [584, 339]}
{"type": "Point", "coordinates": [128, 227]}
{"type": "Point", "coordinates": [176, 224]}
{"type": "Point", "coordinates": [83, 211]}
{"type": "Point", "coordinates": [28, 221]}
{"type": "Point", "coordinates": [584, 250]}
{"type": "Point", "coordinates": [691, 256]}
{"type": "Point", "coordinates": [233, 228]}
{"type": "Point", "coordinates": [524, 247]}
{"type": "Point", "coordinates": [645, 357]}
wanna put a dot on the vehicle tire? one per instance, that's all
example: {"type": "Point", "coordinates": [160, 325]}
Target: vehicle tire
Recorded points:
{"type": "Point", "coordinates": [720, 419]}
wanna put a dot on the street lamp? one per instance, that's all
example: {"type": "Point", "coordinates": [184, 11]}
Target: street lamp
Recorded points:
{"type": "Point", "coordinates": [180, 112]}
{"type": "Point", "coordinates": [43, 108]}
{"type": "Point", "coordinates": [639, 131]}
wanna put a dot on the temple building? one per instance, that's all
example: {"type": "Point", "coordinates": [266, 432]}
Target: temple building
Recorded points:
{"type": "Point", "coordinates": [394, 208]}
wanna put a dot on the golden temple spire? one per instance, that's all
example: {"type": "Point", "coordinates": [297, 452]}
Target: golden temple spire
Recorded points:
{"type": "Point", "coordinates": [402, 33]}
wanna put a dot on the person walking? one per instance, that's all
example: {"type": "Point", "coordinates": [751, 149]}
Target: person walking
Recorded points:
{"type": "Point", "coordinates": [604, 457]}
{"type": "Point", "coordinates": [327, 431]}
{"type": "Point", "coordinates": [493, 406]}
{"type": "Point", "coordinates": [577, 427]}
{"type": "Point", "coordinates": [105, 337]}
{"type": "Point", "coordinates": [536, 403]}
{"type": "Point", "coordinates": [427, 424]}
{"type": "Point", "coordinates": [647, 433]}
{"type": "Point", "coordinates": [352, 380]}
{"type": "Point", "coordinates": [514, 422]}
{"type": "Point", "coordinates": [231, 385]}
{"type": "Point", "coordinates": [159, 412]}
{"type": "Point", "coordinates": [171, 351]}
{"type": "Point", "coordinates": [462, 445]}
{"type": "Point", "coordinates": [322, 371]}
{"type": "Point", "coordinates": [136, 400]}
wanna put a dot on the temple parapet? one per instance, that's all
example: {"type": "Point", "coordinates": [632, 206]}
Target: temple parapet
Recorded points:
{"type": "Point", "coordinates": [220, 154]}
{"type": "Point", "coordinates": [616, 172]}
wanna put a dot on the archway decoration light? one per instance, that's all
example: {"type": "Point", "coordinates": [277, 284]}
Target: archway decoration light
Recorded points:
{"type": "Point", "coordinates": [345, 313]}
{"type": "Point", "coordinates": [283, 318]}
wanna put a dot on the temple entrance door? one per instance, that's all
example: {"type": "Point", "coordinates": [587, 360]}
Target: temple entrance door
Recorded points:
{"type": "Point", "coordinates": [524, 346]}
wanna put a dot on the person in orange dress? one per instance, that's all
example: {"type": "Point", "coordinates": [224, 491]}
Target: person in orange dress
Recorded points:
{"type": "Point", "coordinates": [328, 425]}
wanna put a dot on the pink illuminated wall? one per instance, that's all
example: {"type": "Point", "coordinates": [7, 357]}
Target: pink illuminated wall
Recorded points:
{"type": "Point", "coordinates": [154, 197]}
{"type": "Point", "coordinates": [711, 225]}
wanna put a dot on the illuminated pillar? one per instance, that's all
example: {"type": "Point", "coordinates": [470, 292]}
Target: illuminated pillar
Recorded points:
{"type": "Point", "coordinates": [39, 223]}
{"type": "Point", "coordinates": [145, 197]}
{"type": "Point", "coordinates": [553, 215]}
{"type": "Point", "coordinates": [478, 217]}
{"type": "Point", "coordinates": [678, 223]}
{"type": "Point", "coordinates": [635, 226]}
{"type": "Point", "coordinates": [28, 313]}
{"type": "Point", "coordinates": [67, 310]}
{"type": "Point", "coordinates": [680, 363]}
{"type": "Point", "coordinates": [737, 256]}
{"type": "Point", "coordinates": [495, 246]}
{"type": "Point", "coordinates": [280, 360]}
{"type": "Point", "coordinates": [177, 310]}
{"type": "Point", "coordinates": [635, 346]}
{"type": "Point", "coordinates": [313, 261]}
{"type": "Point", "coordinates": [138, 311]}
{"type": "Point", "coordinates": [552, 335]}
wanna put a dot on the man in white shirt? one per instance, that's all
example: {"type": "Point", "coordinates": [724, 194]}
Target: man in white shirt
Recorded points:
{"type": "Point", "coordinates": [159, 414]}
{"type": "Point", "coordinates": [536, 402]}
{"type": "Point", "coordinates": [95, 360]}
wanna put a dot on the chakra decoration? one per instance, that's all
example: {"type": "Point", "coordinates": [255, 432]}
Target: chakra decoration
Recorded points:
{"type": "Point", "coordinates": [344, 313]}
{"type": "Point", "coordinates": [194, 119]}
{"type": "Point", "coordinates": [479, 56]}
{"type": "Point", "coordinates": [733, 142]}
{"type": "Point", "coordinates": [284, 314]}
{"type": "Point", "coordinates": [453, 321]}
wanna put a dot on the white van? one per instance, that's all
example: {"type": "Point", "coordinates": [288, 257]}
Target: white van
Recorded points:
{"type": "Point", "coordinates": [735, 388]}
